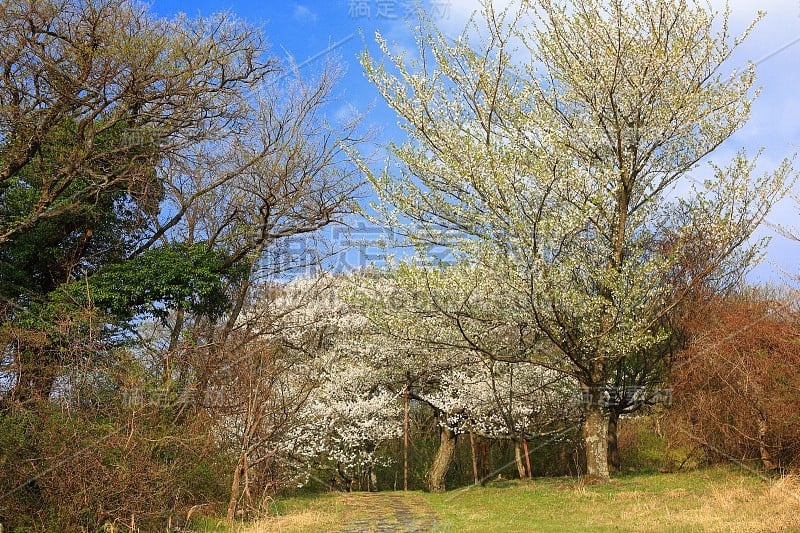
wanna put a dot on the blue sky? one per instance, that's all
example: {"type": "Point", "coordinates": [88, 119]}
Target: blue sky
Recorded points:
{"type": "Point", "coordinates": [311, 29]}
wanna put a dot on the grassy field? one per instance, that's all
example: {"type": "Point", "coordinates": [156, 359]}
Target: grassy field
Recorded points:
{"type": "Point", "coordinates": [718, 499]}
{"type": "Point", "coordinates": [707, 500]}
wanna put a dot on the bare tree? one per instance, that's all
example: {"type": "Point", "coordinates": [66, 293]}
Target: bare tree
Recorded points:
{"type": "Point", "coordinates": [86, 68]}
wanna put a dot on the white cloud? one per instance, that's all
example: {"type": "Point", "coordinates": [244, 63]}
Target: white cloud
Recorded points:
{"type": "Point", "coordinates": [452, 16]}
{"type": "Point", "coordinates": [303, 14]}
{"type": "Point", "coordinates": [346, 114]}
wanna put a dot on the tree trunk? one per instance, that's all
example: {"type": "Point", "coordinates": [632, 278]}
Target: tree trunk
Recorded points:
{"type": "Point", "coordinates": [766, 456]}
{"type": "Point", "coordinates": [484, 460]}
{"type": "Point", "coordinates": [237, 476]}
{"type": "Point", "coordinates": [527, 458]}
{"type": "Point", "coordinates": [405, 439]}
{"type": "Point", "coordinates": [518, 459]}
{"type": "Point", "coordinates": [474, 458]}
{"type": "Point", "coordinates": [441, 464]}
{"type": "Point", "coordinates": [613, 441]}
{"type": "Point", "coordinates": [595, 442]}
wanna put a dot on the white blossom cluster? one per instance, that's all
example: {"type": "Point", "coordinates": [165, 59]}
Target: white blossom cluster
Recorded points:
{"type": "Point", "coordinates": [348, 413]}
{"type": "Point", "coordinates": [344, 423]}
{"type": "Point", "coordinates": [366, 338]}
{"type": "Point", "coordinates": [506, 400]}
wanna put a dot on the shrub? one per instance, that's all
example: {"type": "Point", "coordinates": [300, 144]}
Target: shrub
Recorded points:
{"type": "Point", "coordinates": [735, 386]}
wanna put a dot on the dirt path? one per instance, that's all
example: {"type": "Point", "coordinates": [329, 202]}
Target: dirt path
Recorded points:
{"type": "Point", "coordinates": [390, 512]}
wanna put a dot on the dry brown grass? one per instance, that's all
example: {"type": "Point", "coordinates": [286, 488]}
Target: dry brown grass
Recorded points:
{"type": "Point", "coordinates": [323, 514]}
{"type": "Point", "coordinates": [299, 522]}
{"type": "Point", "coordinates": [736, 505]}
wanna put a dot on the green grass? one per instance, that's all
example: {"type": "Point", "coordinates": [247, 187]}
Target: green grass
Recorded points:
{"type": "Point", "coordinates": [715, 499]}
{"type": "Point", "coordinates": [719, 499]}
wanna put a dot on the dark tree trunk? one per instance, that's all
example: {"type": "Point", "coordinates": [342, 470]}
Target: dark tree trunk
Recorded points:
{"type": "Point", "coordinates": [484, 460]}
{"type": "Point", "coordinates": [518, 459]}
{"type": "Point", "coordinates": [527, 458]}
{"type": "Point", "coordinates": [474, 457]}
{"type": "Point", "coordinates": [613, 441]}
